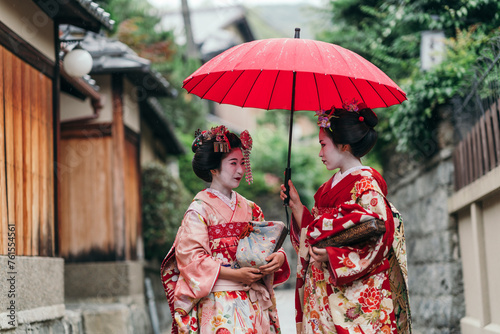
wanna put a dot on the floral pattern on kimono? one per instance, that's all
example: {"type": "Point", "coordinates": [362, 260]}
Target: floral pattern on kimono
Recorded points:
{"type": "Point", "coordinates": [362, 288]}
{"type": "Point", "coordinates": [207, 240]}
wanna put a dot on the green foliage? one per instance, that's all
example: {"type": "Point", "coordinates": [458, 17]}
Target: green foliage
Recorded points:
{"type": "Point", "coordinates": [414, 122]}
{"type": "Point", "coordinates": [164, 201]}
{"type": "Point", "coordinates": [387, 33]}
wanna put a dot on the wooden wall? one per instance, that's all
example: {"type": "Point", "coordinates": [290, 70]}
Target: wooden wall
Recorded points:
{"type": "Point", "coordinates": [85, 202]}
{"type": "Point", "coordinates": [26, 157]}
{"type": "Point", "coordinates": [133, 213]}
{"type": "Point", "coordinates": [87, 206]}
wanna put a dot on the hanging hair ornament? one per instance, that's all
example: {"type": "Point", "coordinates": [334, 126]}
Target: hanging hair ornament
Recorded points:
{"type": "Point", "coordinates": [246, 143]}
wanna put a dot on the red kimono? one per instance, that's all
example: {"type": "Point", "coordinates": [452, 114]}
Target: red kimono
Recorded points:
{"type": "Point", "coordinates": [361, 289]}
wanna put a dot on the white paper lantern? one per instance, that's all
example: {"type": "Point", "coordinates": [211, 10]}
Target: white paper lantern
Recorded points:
{"type": "Point", "coordinates": [78, 62]}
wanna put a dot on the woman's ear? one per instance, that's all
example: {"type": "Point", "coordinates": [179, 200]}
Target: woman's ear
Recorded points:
{"type": "Point", "coordinates": [346, 147]}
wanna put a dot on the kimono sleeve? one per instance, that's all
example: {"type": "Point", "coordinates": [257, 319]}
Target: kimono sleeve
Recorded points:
{"type": "Point", "coordinates": [295, 230]}
{"type": "Point", "coordinates": [351, 263]}
{"type": "Point", "coordinates": [198, 269]}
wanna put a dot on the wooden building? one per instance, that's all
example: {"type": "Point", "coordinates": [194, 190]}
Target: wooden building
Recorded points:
{"type": "Point", "coordinates": [70, 154]}
{"type": "Point", "coordinates": [100, 214]}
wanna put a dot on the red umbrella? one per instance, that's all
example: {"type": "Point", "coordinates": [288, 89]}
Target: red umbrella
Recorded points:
{"type": "Point", "coordinates": [292, 74]}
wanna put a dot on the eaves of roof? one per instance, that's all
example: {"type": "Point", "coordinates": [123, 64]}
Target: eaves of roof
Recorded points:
{"type": "Point", "coordinates": [85, 14]}
{"type": "Point", "coordinates": [112, 56]}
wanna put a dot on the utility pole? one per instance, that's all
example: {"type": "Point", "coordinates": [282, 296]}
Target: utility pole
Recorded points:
{"type": "Point", "coordinates": [191, 48]}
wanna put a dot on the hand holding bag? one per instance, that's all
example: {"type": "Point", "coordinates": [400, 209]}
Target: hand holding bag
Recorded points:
{"type": "Point", "coordinates": [259, 240]}
{"type": "Point", "coordinates": [355, 235]}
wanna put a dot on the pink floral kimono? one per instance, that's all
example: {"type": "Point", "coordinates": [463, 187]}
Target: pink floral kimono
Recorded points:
{"type": "Point", "coordinates": [207, 240]}
{"type": "Point", "coordinates": [363, 288]}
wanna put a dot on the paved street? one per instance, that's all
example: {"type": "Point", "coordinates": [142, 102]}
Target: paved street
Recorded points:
{"type": "Point", "coordinates": [285, 300]}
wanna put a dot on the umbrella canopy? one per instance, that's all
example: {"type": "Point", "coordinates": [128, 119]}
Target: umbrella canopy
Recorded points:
{"type": "Point", "coordinates": [260, 74]}
{"type": "Point", "coordinates": [292, 74]}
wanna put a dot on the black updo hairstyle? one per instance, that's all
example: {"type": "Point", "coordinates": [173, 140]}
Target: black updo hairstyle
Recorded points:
{"type": "Point", "coordinates": [355, 129]}
{"type": "Point", "coordinates": [205, 159]}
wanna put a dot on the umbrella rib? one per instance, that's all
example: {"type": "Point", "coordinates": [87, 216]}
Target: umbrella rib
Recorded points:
{"type": "Point", "coordinates": [400, 101]}
{"type": "Point", "coordinates": [350, 79]}
{"type": "Point", "coordinates": [221, 101]}
{"type": "Point", "coordinates": [317, 91]}
{"type": "Point", "coordinates": [189, 91]}
{"type": "Point", "coordinates": [379, 94]}
{"type": "Point", "coordinates": [222, 73]}
{"type": "Point", "coordinates": [250, 90]}
{"type": "Point", "coordinates": [274, 85]}
{"type": "Point", "coordinates": [336, 89]}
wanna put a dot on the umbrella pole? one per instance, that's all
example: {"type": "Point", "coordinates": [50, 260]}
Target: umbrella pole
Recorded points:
{"type": "Point", "coordinates": [288, 170]}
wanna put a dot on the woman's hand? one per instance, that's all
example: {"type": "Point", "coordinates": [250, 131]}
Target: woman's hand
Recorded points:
{"type": "Point", "coordinates": [275, 261]}
{"type": "Point", "coordinates": [294, 203]}
{"type": "Point", "coordinates": [245, 275]}
{"type": "Point", "coordinates": [248, 275]}
{"type": "Point", "coordinates": [319, 255]}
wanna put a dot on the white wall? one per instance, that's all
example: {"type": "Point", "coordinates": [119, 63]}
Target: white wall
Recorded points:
{"type": "Point", "coordinates": [28, 21]}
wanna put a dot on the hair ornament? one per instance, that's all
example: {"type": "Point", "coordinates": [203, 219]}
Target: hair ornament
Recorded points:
{"type": "Point", "coordinates": [246, 143]}
{"type": "Point", "coordinates": [354, 105]}
{"type": "Point", "coordinates": [197, 138]}
{"type": "Point", "coordinates": [324, 117]}
{"type": "Point", "coordinates": [221, 143]}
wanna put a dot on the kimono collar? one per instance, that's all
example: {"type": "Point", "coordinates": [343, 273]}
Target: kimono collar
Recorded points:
{"type": "Point", "coordinates": [339, 175]}
{"type": "Point", "coordinates": [230, 202]}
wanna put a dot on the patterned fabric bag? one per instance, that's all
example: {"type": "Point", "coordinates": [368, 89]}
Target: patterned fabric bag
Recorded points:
{"type": "Point", "coordinates": [259, 240]}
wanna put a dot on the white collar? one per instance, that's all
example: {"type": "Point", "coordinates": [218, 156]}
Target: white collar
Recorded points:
{"type": "Point", "coordinates": [230, 202]}
{"type": "Point", "coordinates": [339, 175]}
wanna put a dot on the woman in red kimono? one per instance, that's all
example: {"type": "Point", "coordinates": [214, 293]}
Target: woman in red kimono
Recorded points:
{"type": "Point", "coordinates": [207, 290]}
{"type": "Point", "coordinates": [355, 289]}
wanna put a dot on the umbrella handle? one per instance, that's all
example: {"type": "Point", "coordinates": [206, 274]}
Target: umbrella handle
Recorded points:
{"type": "Point", "coordinates": [288, 176]}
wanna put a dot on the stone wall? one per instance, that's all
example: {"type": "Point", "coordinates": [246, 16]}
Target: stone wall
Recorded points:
{"type": "Point", "coordinates": [434, 263]}
{"type": "Point", "coordinates": [43, 296]}
{"type": "Point", "coordinates": [31, 291]}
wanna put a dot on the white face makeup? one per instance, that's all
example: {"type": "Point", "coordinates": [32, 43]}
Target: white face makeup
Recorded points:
{"type": "Point", "coordinates": [332, 155]}
{"type": "Point", "coordinates": [231, 172]}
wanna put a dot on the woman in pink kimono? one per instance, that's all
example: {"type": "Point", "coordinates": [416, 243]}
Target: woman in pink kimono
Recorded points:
{"type": "Point", "coordinates": [349, 289]}
{"type": "Point", "coordinates": [207, 290]}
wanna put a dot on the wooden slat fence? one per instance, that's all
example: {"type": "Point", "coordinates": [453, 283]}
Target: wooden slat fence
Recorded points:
{"type": "Point", "coordinates": [479, 151]}
{"type": "Point", "coordinates": [26, 157]}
